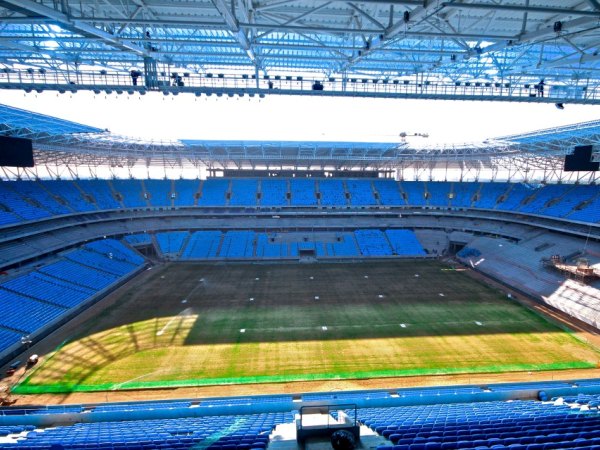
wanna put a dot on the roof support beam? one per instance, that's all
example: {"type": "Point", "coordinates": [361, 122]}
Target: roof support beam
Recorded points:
{"type": "Point", "coordinates": [521, 8]}
{"type": "Point", "coordinates": [236, 30]}
{"type": "Point", "coordinates": [595, 4]}
{"type": "Point", "coordinates": [75, 25]}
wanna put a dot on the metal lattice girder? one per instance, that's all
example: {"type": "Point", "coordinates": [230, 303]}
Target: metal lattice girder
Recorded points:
{"type": "Point", "coordinates": [515, 40]}
{"type": "Point", "coordinates": [62, 143]}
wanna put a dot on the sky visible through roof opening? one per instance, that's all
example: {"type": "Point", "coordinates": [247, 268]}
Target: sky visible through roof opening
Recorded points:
{"type": "Point", "coordinates": [158, 117]}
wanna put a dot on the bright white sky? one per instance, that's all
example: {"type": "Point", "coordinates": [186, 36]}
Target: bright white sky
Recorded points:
{"type": "Point", "coordinates": [155, 116]}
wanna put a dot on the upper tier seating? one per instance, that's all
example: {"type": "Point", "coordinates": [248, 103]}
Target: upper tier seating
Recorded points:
{"type": "Point", "coordinates": [274, 192]}
{"type": "Point", "coordinates": [185, 192]}
{"type": "Point", "coordinates": [463, 194]}
{"type": "Point", "coordinates": [243, 192]}
{"type": "Point", "coordinates": [17, 206]}
{"type": "Point", "coordinates": [489, 194]}
{"type": "Point", "coordinates": [131, 193]}
{"type": "Point", "coordinates": [67, 190]}
{"type": "Point", "coordinates": [415, 192]}
{"type": "Point", "coordinates": [361, 192]}
{"type": "Point", "coordinates": [100, 191]}
{"type": "Point", "coordinates": [35, 200]}
{"type": "Point", "coordinates": [438, 194]}
{"type": "Point", "coordinates": [40, 196]}
{"type": "Point", "coordinates": [159, 192]}
{"type": "Point", "coordinates": [303, 192]}
{"type": "Point", "coordinates": [515, 197]}
{"type": "Point", "coordinates": [332, 192]}
{"type": "Point", "coordinates": [214, 192]}
{"type": "Point", "coordinates": [590, 212]}
{"type": "Point", "coordinates": [574, 197]}
{"type": "Point", "coordinates": [389, 194]}
{"type": "Point", "coordinates": [542, 197]}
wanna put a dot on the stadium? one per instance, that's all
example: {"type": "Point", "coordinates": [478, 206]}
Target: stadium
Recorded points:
{"type": "Point", "coordinates": [245, 294]}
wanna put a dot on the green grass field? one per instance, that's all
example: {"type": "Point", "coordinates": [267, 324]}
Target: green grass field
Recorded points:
{"type": "Point", "coordinates": [197, 324]}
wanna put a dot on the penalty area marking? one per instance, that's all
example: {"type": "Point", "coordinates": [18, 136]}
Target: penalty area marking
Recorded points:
{"type": "Point", "coordinates": [185, 312]}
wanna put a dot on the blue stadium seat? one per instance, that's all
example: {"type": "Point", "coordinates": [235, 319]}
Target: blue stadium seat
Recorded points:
{"type": "Point", "coordinates": [332, 192]}
{"type": "Point", "coordinates": [67, 191]}
{"type": "Point", "coordinates": [158, 192]}
{"type": "Point", "coordinates": [238, 244]}
{"type": "Point", "coordinates": [202, 244]}
{"type": "Point", "coordinates": [185, 192]}
{"type": "Point", "coordinates": [415, 192]}
{"type": "Point", "coordinates": [243, 192]}
{"type": "Point", "coordinates": [171, 242]}
{"type": "Point", "coordinates": [389, 193]}
{"type": "Point", "coordinates": [439, 193]}
{"type": "Point", "coordinates": [361, 192]}
{"type": "Point", "coordinates": [100, 192]}
{"type": "Point", "coordinates": [303, 192]}
{"type": "Point", "coordinates": [214, 192]}
{"type": "Point", "coordinates": [373, 243]}
{"type": "Point", "coordinates": [404, 242]}
{"type": "Point", "coordinates": [131, 193]}
{"type": "Point", "coordinates": [274, 192]}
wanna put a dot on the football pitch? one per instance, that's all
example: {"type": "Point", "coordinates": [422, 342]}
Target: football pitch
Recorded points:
{"type": "Point", "coordinates": [200, 324]}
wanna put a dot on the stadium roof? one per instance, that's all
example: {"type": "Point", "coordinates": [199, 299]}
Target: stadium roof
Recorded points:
{"type": "Point", "coordinates": [500, 46]}
{"type": "Point", "coordinates": [27, 124]}
{"type": "Point", "coordinates": [78, 145]}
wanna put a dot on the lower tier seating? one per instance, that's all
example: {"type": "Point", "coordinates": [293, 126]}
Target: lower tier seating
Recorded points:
{"type": "Point", "coordinates": [245, 244]}
{"type": "Point", "coordinates": [32, 300]}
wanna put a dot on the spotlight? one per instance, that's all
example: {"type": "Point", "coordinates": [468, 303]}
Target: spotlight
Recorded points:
{"type": "Point", "coordinates": [560, 106]}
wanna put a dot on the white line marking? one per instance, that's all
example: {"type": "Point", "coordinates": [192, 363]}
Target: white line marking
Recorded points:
{"type": "Point", "coordinates": [185, 312]}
